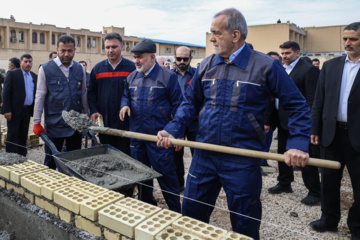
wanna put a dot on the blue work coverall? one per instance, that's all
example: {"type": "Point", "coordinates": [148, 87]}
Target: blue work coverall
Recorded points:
{"type": "Point", "coordinates": [231, 98]}
{"type": "Point", "coordinates": [153, 100]}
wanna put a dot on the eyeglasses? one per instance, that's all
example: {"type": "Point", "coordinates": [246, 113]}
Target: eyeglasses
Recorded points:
{"type": "Point", "coordinates": [182, 58]}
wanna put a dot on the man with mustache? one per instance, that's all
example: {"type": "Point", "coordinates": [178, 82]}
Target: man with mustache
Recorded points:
{"type": "Point", "coordinates": [151, 98]}
{"type": "Point", "coordinates": [61, 86]}
{"type": "Point", "coordinates": [184, 74]}
{"type": "Point", "coordinates": [336, 117]}
{"type": "Point", "coordinates": [107, 80]}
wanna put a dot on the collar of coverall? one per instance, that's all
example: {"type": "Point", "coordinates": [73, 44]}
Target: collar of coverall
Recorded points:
{"type": "Point", "coordinates": [241, 60]}
{"type": "Point", "coordinates": [152, 75]}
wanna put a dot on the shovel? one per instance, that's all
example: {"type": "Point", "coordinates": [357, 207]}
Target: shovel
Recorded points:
{"type": "Point", "coordinates": [204, 146]}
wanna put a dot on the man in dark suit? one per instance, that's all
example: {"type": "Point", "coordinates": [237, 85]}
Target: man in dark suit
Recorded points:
{"type": "Point", "coordinates": [336, 128]}
{"type": "Point", "coordinates": [305, 76]}
{"type": "Point", "coordinates": [18, 95]}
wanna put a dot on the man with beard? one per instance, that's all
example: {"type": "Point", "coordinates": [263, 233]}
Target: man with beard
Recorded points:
{"type": "Point", "coordinates": [184, 73]}
{"type": "Point", "coordinates": [151, 98]}
{"type": "Point", "coordinates": [107, 80]}
{"type": "Point", "coordinates": [61, 86]}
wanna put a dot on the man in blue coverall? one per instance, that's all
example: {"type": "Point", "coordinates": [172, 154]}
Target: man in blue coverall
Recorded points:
{"type": "Point", "coordinates": [107, 80]}
{"type": "Point", "coordinates": [230, 90]}
{"type": "Point", "coordinates": [151, 98]}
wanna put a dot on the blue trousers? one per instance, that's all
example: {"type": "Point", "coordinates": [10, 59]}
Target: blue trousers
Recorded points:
{"type": "Point", "coordinates": [241, 179]}
{"type": "Point", "coordinates": [161, 160]}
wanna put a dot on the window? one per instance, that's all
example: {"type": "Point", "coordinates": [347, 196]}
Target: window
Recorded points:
{"type": "Point", "coordinates": [127, 46]}
{"type": "Point", "coordinates": [78, 41]}
{"type": "Point", "coordinates": [103, 44]}
{"type": "Point", "coordinates": [13, 36]}
{"type": "Point", "coordinates": [42, 38]}
{"type": "Point", "coordinates": [88, 42]}
{"type": "Point", "coordinates": [192, 52]}
{"type": "Point", "coordinates": [34, 37]}
{"type": "Point", "coordinates": [168, 50]}
{"type": "Point", "coordinates": [52, 39]}
{"type": "Point", "coordinates": [21, 36]}
{"type": "Point", "coordinates": [94, 43]}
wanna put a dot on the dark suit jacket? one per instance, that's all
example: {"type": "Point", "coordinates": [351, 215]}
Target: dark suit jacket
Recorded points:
{"type": "Point", "coordinates": [326, 104]}
{"type": "Point", "coordinates": [14, 92]}
{"type": "Point", "coordinates": [305, 77]}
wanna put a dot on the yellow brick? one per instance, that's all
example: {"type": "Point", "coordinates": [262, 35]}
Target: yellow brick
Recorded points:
{"type": "Point", "coordinates": [65, 215]}
{"type": "Point", "coordinates": [51, 208]}
{"type": "Point", "coordinates": [19, 190]}
{"type": "Point", "coordinates": [53, 174]}
{"type": "Point", "coordinates": [2, 183]}
{"type": "Point", "coordinates": [70, 198]}
{"type": "Point", "coordinates": [33, 182]}
{"type": "Point", "coordinates": [170, 233]}
{"type": "Point", "coordinates": [138, 206]}
{"type": "Point", "coordinates": [148, 229]}
{"type": "Point", "coordinates": [88, 226]}
{"type": "Point", "coordinates": [16, 175]}
{"type": "Point", "coordinates": [91, 206]}
{"type": "Point", "coordinates": [120, 219]}
{"type": "Point", "coordinates": [6, 169]}
{"type": "Point", "coordinates": [48, 189]}
{"type": "Point", "coordinates": [110, 235]}
{"type": "Point", "coordinates": [198, 228]}
{"type": "Point", "coordinates": [30, 197]}
{"type": "Point", "coordinates": [90, 188]}
{"type": "Point", "coordinates": [235, 236]}
{"type": "Point", "coordinates": [126, 238]}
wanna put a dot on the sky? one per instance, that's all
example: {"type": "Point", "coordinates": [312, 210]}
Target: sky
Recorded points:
{"type": "Point", "coordinates": [182, 21]}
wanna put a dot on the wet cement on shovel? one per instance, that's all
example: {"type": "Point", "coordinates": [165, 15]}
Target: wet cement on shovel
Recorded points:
{"type": "Point", "coordinates": [11, 158]}
{"type": "Point", "coordinates": [79, 122]}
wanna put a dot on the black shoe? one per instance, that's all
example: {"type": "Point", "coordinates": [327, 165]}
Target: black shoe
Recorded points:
{"type": "Point", "coordinates": [310, 200]}
{"type": "Point", "coordinates": [280, 189]}
{"type": "Point", "coordinates": [320, 226]}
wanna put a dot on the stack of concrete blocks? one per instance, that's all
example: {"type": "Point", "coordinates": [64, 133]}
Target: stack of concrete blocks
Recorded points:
{"type": "Point", "coordinates": [32, 139]}
{"type": "Point", "coordinates": [102, 212]}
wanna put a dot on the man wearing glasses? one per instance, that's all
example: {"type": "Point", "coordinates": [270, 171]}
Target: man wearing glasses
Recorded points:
{"type": "Point", "coordinates": [184, 73]}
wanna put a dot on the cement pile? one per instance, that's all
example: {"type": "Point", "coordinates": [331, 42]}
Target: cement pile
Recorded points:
{"type": "Point", "coordinates": [108, 171]}
{"type": "Point", "coordinates": [78, 121]}
{"type": "Point", "coordinates": [11, 158]}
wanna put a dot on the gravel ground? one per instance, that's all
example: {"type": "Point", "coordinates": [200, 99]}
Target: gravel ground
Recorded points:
{"type": "Point", "coordinates": [283, 217]}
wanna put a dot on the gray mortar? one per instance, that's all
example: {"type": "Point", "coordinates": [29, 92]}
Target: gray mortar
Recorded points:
{"type": "Point", "coordinates": [79, 122]}
{"type": "Point", "coordinates": [11, 158]}
{"type": "Point", "coordinates": [108, 171]}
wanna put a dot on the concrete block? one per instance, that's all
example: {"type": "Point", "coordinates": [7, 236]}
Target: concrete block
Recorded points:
{"type": "Point", "coordinates": [198, 228]}
{"type": "Point", "coordinates": [90, 188]}
{"type": "Point", "coordinates": [70, 198]}
{"type": "Point", "coordinates": [120, 219]}
{"type": "Point", "coordinates": [91, 206]}
{"type": "Point", "coordinates": [48, 189]}
{"type": "Point", "coordinates": [17, 189]}
{"type": "Point", "coordinates": [16, 175]}
{"type": "Point", "coordinates": [53, 174]}
{"type": "Point", "coordinates": [148, 229]}
{"type": "Point", "coordinates": [235, 236]}
{"type": "Point", "coordinates": [33, 182]}
{"type": "Point", "coordinates": [48, 206]}
{"type": "Point", "coordinates": [6, 169]}
{"type": "Point", "coordinates": [88, 226]}
{"type": "Point", "coordinates": [2, 183]}
{"type": "Point", "coordinates": [65, 215]}
{"type": "Point", "coordinates": [30, 197]}
{"type": "Point", "coordinates": [169, 233]}
{"type": "Point", "coordinates": [138, 206]}
{"type": "Point", "coordinates": [111, 235]}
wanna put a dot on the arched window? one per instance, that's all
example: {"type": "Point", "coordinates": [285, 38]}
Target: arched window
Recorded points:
{"type": "Point", "coordinates": [21, 36]}
{"type": "Point", "coordinates": [53, 39]}
{"type": "Point", "coordinates": [34, 37]}
{"type": "Point", "coordinates": [42, 38]}
{"type": "Point", "coordinates": [88, 42]}
{"type": "Point", "coordinates": [94, 43]}
{"type": "Point", "coordinates": [78, 41]}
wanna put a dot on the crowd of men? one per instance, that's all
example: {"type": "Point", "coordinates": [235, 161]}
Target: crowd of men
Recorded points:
{"type": "Point", "coordinates": [234, 98]}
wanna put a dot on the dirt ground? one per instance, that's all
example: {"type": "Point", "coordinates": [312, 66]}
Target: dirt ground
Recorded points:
{"type": "Point", "coordinates": [283, 216]}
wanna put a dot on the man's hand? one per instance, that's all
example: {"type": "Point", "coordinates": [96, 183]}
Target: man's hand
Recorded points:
{"type": "Point", "coordinates": [164, 140]}
{"type": "Point", "coordinates": [38, 129]}
{"type": "Point", "coordinates": [178, 147]}
{"type": "Point", "coordinates": [123, 111]}
{"type": "Point", "coordinates": [266, 128]}
{"type": "Point", "coordinates": [94, 116]}
{"type": "Point", "coordinates": [295, 157]}
{"type": "Point", "coordinates": [8, 116]}
{"type": "Point", "coordinates": [315, 139]}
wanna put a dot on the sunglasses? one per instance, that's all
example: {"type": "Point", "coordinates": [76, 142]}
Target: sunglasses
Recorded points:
{"type": "Point", "coordinates": [182, 58]}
